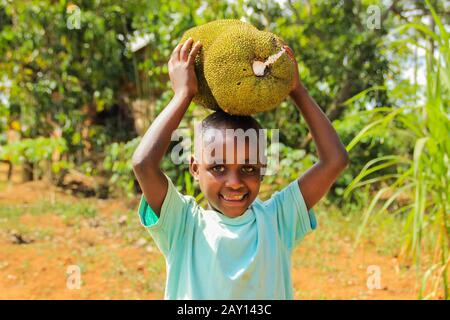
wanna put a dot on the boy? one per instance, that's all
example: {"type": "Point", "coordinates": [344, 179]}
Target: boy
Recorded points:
{"type": "Point", "coordinates": [240, 247]}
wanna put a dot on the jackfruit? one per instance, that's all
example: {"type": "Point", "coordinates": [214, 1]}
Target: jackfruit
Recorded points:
{"type": "Point", "coordinates": [240, 69]}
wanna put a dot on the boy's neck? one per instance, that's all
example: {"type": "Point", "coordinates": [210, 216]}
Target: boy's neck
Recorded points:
{"type": "Point", "coordinates": [210, 207]}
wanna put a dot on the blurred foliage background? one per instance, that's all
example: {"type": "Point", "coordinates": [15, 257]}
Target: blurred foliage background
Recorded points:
{"type": "Point", "coordinates": [81, 81]}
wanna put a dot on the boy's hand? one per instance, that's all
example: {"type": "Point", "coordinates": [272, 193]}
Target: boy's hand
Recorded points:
{"type": "Point", "coordinates": [296, 85]}
{"type": "Point", "coordinates": [154, 144]}
{"type": "Point", "coordinates": [333, 157]}
{"type": "Point", "coordinates": [181, 68]}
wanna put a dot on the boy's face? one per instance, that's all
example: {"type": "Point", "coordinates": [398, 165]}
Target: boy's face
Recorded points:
{"type": "Point", "coordinates": [229, 180]}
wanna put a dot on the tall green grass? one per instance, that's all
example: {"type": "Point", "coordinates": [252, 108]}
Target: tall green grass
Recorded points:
{"type": "Point", "coordinates": [421, 177]}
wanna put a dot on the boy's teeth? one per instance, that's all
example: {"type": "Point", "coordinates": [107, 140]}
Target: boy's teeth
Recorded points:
{"type": "Point", "coordinates": [233, 197]}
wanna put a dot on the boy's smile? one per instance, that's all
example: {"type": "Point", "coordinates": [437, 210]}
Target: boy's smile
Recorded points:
{"type": "Point", "coordinates": [229, 186]}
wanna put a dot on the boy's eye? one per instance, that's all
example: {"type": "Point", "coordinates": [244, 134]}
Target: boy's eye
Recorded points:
{"type": "Point", "coordinates": [218, 169]}
{"type": "Point", "coordinates": [248, 169]}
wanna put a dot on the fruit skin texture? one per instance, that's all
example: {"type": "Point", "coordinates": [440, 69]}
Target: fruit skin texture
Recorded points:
{"type": "Point", "coordinates": [224, 68]}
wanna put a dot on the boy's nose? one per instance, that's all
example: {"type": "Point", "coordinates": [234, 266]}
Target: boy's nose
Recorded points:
{"type": "Point", "coordinates": [233, 181]}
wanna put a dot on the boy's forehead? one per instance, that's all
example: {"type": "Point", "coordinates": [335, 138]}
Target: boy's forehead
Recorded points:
{"type": "Point", "coordinates": [225, 145]}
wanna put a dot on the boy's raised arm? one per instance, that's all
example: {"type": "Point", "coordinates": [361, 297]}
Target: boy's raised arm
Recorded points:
{"type": "Point", "coordinates": [333, 157]}
{"type": "Point", "coordinates": [150, 152]}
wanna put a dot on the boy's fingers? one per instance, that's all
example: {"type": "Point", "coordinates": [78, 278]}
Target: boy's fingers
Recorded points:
{"type": "Point", "coordinates": [185, 49]}
{"type": "Point", "coordinates": [194, 52]}
{"type": "Point", "coordinates": [176, 53]}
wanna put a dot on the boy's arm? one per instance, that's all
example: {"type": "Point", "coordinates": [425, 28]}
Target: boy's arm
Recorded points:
{"type": "Point", "coordinates": [148, 155]}
{"type": "Point", "coordinates": [333, 157]}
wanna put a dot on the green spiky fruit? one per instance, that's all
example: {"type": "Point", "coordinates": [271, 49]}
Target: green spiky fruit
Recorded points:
{"type": "Point", "coordinates": [240, 69]}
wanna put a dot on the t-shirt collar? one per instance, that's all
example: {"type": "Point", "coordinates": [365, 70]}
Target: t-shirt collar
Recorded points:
{"type": "Point", "coordinates": [244, 218]}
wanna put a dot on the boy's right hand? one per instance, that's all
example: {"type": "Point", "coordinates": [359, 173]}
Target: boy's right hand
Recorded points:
{"type": "Point", "coordinates": [181, 69]}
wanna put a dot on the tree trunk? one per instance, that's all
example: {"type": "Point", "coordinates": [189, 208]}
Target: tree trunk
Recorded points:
{"type": "Point", "coordinates": [9, 171]}
{"type": "Point", "coordinates": [27, 171]}
{"type": "Point", "coordinates": [143, 113]}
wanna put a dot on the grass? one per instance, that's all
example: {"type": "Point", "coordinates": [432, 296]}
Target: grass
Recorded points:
{"type": "Point", "coordinates": [71, 213]}
{"type": "Point", "coordinates": [63, 209]}
{"type": "Point", "coordinates": [337, 232]}
{"type": "Point", "coordinates": [423, 173]}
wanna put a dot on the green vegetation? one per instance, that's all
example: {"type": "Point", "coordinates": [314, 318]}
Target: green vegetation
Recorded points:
{"type": "Point", "coordinates": [423, 174]}
{"type": "Point", "coordinates": [68, 211]}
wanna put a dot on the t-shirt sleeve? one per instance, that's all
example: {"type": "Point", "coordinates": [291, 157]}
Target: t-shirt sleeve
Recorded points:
{"type": "Point", "coordinates": [293, 218]}
{"type": "Point", "coordinates": [170, 227]}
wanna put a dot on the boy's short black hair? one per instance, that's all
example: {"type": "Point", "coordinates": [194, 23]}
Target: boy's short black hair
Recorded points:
{"type": "Point", "coordinates": [221, 119]}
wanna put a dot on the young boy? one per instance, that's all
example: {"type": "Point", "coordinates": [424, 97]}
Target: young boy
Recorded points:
{"type": "Point", "coordinates": [240, 247]}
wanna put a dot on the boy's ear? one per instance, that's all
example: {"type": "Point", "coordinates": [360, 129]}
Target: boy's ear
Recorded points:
{"type": "Point", "coordinates": [193, 167]}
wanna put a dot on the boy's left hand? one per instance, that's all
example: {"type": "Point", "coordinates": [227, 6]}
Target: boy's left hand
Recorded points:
{"type": "Point", "coordinates": [296, 85]}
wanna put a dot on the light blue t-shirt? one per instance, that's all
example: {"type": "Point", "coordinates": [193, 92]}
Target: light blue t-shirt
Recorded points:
{"type": "Point", "coordinates": [211, 256]}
